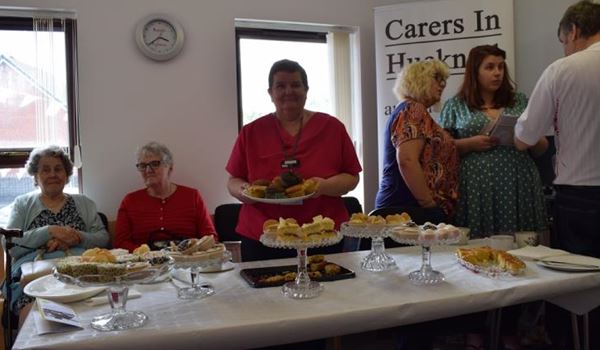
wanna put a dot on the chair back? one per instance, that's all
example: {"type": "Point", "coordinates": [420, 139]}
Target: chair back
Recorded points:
{"type": "Point", "coordinates": [226, 219]}
{"type": "Point", "coordinates": [352, 205]}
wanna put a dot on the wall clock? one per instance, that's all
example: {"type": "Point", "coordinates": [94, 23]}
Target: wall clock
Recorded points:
{"type": "Point", "coordinates": [159, 37]}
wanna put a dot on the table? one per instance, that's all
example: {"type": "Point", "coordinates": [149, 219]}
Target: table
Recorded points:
{"type": "Point", "coordinates": [239, 316]}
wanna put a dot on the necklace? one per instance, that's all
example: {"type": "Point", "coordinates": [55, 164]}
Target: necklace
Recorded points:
{"type": "Point", "coordinates": [289, 160]}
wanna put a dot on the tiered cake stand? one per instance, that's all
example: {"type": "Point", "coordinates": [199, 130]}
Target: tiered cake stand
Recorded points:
{"type": "Point", "coordinates": [377, 260]}
{"type": "Point", "coordinates": [302, 287]}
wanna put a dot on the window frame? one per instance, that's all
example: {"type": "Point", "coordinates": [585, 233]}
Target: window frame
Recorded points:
{"type": "Point", "coordinates": [17, 157]}
{"type": "Point", "coordinates": [267, 34]}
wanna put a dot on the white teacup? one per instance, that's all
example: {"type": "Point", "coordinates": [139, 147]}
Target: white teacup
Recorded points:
{"type": "Point", "coordinates": [526, 238]}
{"type": "Point", "coordinates": [502, 242]}
{"type": "Point", "coordinates": [465, 234]}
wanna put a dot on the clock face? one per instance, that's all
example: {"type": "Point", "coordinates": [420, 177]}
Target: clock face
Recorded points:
{"type": "Point", "coordinates": [159, 37]}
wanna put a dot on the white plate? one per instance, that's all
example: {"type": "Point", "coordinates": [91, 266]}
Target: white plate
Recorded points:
{"type": "Point", "coordinates": [226, 266]}
{"type": "Point", "coordinates": [567, 268]}
{"type": "Point", "coordinates": [571, 263]}
{"type": "Point", "coordinates": [48, 287]}
{"type": "Point", "coordinates": [288, 201]}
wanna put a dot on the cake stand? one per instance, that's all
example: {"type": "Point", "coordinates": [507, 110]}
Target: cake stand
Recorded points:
{"type": "Point", "coordinates": [199, 290]}
{"type": "Point", "coordinates": [302, 287]}
{"type": "Point", "coordinates": [426, 274]}
{"type": "Point", "coordinates": [377, 260]}
{"type": "Point", "coordinates": [117, 289]}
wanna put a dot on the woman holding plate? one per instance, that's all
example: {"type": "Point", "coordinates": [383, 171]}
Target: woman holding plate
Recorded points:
{"type": "Point", "coordinates": [311, 145]}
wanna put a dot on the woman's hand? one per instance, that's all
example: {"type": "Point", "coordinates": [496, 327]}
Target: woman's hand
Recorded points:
{"type": "Point", "coordinates": [66, 234]}
{"type": "Point", "coordinates": [236, 186]}
{"type": "Point", "coordinates": [56, 244]}
{"type": "Point", "coordinates": [336, 185]}
{"type": "Point", "coordinates": [478, 143]}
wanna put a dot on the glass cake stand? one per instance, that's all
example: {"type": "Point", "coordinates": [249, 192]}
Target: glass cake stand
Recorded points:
{"type": "Point", "coordinates": [199, 290]}
{"type": "Point", "coordinates": [117, 289]}
{"type": "Point", "coordinates": [302, 287]}
{"type": "Point", "coordinates": [377, 260]}
{"type": "Point", "coordinates": [426, 274]}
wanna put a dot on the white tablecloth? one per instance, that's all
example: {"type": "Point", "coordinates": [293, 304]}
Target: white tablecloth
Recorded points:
{"type": "Point", "coordinates": [239, 316]}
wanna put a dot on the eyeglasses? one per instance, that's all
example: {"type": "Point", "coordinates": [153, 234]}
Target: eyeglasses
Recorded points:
{"type": "Point", "coordinates": [439, 78]}
{"type": "Point", "coordinates": [153, 165]}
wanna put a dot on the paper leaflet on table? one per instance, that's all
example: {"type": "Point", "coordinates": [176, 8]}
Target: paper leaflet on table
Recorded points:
{"type": "Point", "coordinates": [54, 317]}
{"type": "Point", "coordinates": [502, 129]}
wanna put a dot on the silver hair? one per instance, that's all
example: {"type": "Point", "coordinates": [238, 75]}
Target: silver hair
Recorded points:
{"type": "Point", "coordinates": [157, 149]}
{"type": "Point", "coordinates": [33, 161]}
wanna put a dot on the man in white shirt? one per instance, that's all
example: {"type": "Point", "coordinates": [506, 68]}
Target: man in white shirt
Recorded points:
{"type": "Point", "coordinates": [567, 97]}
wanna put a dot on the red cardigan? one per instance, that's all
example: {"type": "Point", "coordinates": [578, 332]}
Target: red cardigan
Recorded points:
{"type": "Point", "coordinates": [142, 218]}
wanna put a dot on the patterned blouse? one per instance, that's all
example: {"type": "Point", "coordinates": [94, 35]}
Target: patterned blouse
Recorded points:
{"type": "Point", "coordinates": [439, 157]}
{"type": "Point", "coordinates": [67, 216]}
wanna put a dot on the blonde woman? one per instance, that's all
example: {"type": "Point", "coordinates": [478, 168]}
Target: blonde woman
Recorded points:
{"type": "Point", "coordinates": [420, 159]}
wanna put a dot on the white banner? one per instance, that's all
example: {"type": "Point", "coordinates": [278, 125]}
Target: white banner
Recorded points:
{"type": "Point", "coordinates": [446, 30]}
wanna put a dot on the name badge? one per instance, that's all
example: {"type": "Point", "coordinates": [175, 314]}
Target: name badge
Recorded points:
{"type": "Point", "coordinates": [290, 163]}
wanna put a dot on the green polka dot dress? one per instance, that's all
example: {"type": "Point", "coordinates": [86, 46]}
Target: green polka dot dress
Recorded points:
{"type": "Point", "coordinates": [500, 190]}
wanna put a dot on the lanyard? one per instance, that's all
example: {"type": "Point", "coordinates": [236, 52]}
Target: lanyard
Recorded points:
{"type": "Point", "coordinates": [289, 160]}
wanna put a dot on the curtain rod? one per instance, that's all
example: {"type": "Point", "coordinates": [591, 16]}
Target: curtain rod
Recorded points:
{"type": "Point", "coordinates": [32, 11]}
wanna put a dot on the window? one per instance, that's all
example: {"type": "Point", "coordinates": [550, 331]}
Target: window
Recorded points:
{"type": "Point", "coordinates": [328, 54]}
{"type": "Point", "coordinates": [37, 95]}
{"type": "Point", "coordinates": [258, 49]}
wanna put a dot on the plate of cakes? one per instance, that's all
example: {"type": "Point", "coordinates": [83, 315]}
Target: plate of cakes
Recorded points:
{"type": "Point", "coordinates": [426, 234]}
{"type": "Point", "coordinates": [489, 261]}
{"type": "Point", "coordinates": [287, 233]}
{"type": "Point", "coordinates": [202, 252]}
{"type": "Point", "coordinates": [103, 266]}
{"type": "Point", "coordinates": [288, 188]}
{"type": "Point", "coordinates": [318, 269]}
{"type": "Point", "coordinates": [363, 225]}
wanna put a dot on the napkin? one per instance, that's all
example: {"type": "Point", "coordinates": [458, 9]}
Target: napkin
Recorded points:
{"type": "Point", "coordinates": [537, 252]}
{"type": "Point", "coordinates": [103, 299]}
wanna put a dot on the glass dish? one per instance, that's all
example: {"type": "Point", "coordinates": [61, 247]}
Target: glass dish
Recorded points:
{"type": "Point", "coordinates": [200, 290]}
{"type": "Point", "coordinates": [117, 289]}
{"type": "Point", "coordinates": [302, 287]}
{"type": "Point", "coordinates": [426, 274]}
{"type": "Point", "coordinates": [377, 259]}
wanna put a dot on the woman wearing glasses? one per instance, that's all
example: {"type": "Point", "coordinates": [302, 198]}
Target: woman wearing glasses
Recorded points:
{"type": "Point", "coordinates": [54, 223]}
{"type": "Point", "coordinates": [420, 166]}
{"type": "Point", "coordinates": [163, 211]}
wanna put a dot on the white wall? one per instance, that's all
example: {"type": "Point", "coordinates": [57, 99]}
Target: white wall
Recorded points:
{"type": "Point", "coordinates": [189, 103]}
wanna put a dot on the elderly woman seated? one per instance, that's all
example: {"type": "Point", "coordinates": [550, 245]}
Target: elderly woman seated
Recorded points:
{"type": "Point", "coordinates": [163, 211]}
{"type": "Point", "coordinates": [54, 223]}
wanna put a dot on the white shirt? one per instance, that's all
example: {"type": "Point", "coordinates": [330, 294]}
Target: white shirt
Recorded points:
{"type": "Point", "coordinates": [567, 97]}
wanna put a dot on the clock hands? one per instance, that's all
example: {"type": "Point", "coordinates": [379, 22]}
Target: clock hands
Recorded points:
{"type": "Point", "coordinates": [156, 39]}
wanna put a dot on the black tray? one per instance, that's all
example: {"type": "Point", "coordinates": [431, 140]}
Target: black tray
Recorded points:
{"type": "Point", "coordinates": [254, 276]}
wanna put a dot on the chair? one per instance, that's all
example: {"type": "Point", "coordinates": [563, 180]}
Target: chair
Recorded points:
{"type": "Point", "coordinates": [417, 214]}
{"type": "Point", "coordinates": [226, 219]}
{"type": "Point", "coordinates": [352, 206]}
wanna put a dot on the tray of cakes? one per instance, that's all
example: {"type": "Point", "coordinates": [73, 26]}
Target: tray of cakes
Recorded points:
{"type": "Point", "coordinates": [202, 252]}
{"type": "Point", "coordinates": [288, 188]}
{"type": "Point", "coordinates": [287, 233]}
{"type": "Point", "coordinates": [103, 266]}
{"type": "Point", "coordinates": [318, 268]}
{"type": "Point", "coordinates": [489, 261]}
{"type": "Point", "coordinates": [363, 226]}
{"type": "Point", "coordinates": [427, 234]}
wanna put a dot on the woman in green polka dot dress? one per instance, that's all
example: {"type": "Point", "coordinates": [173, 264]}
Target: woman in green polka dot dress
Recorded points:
{"type": "Point", "coordinates": [500, 190]}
